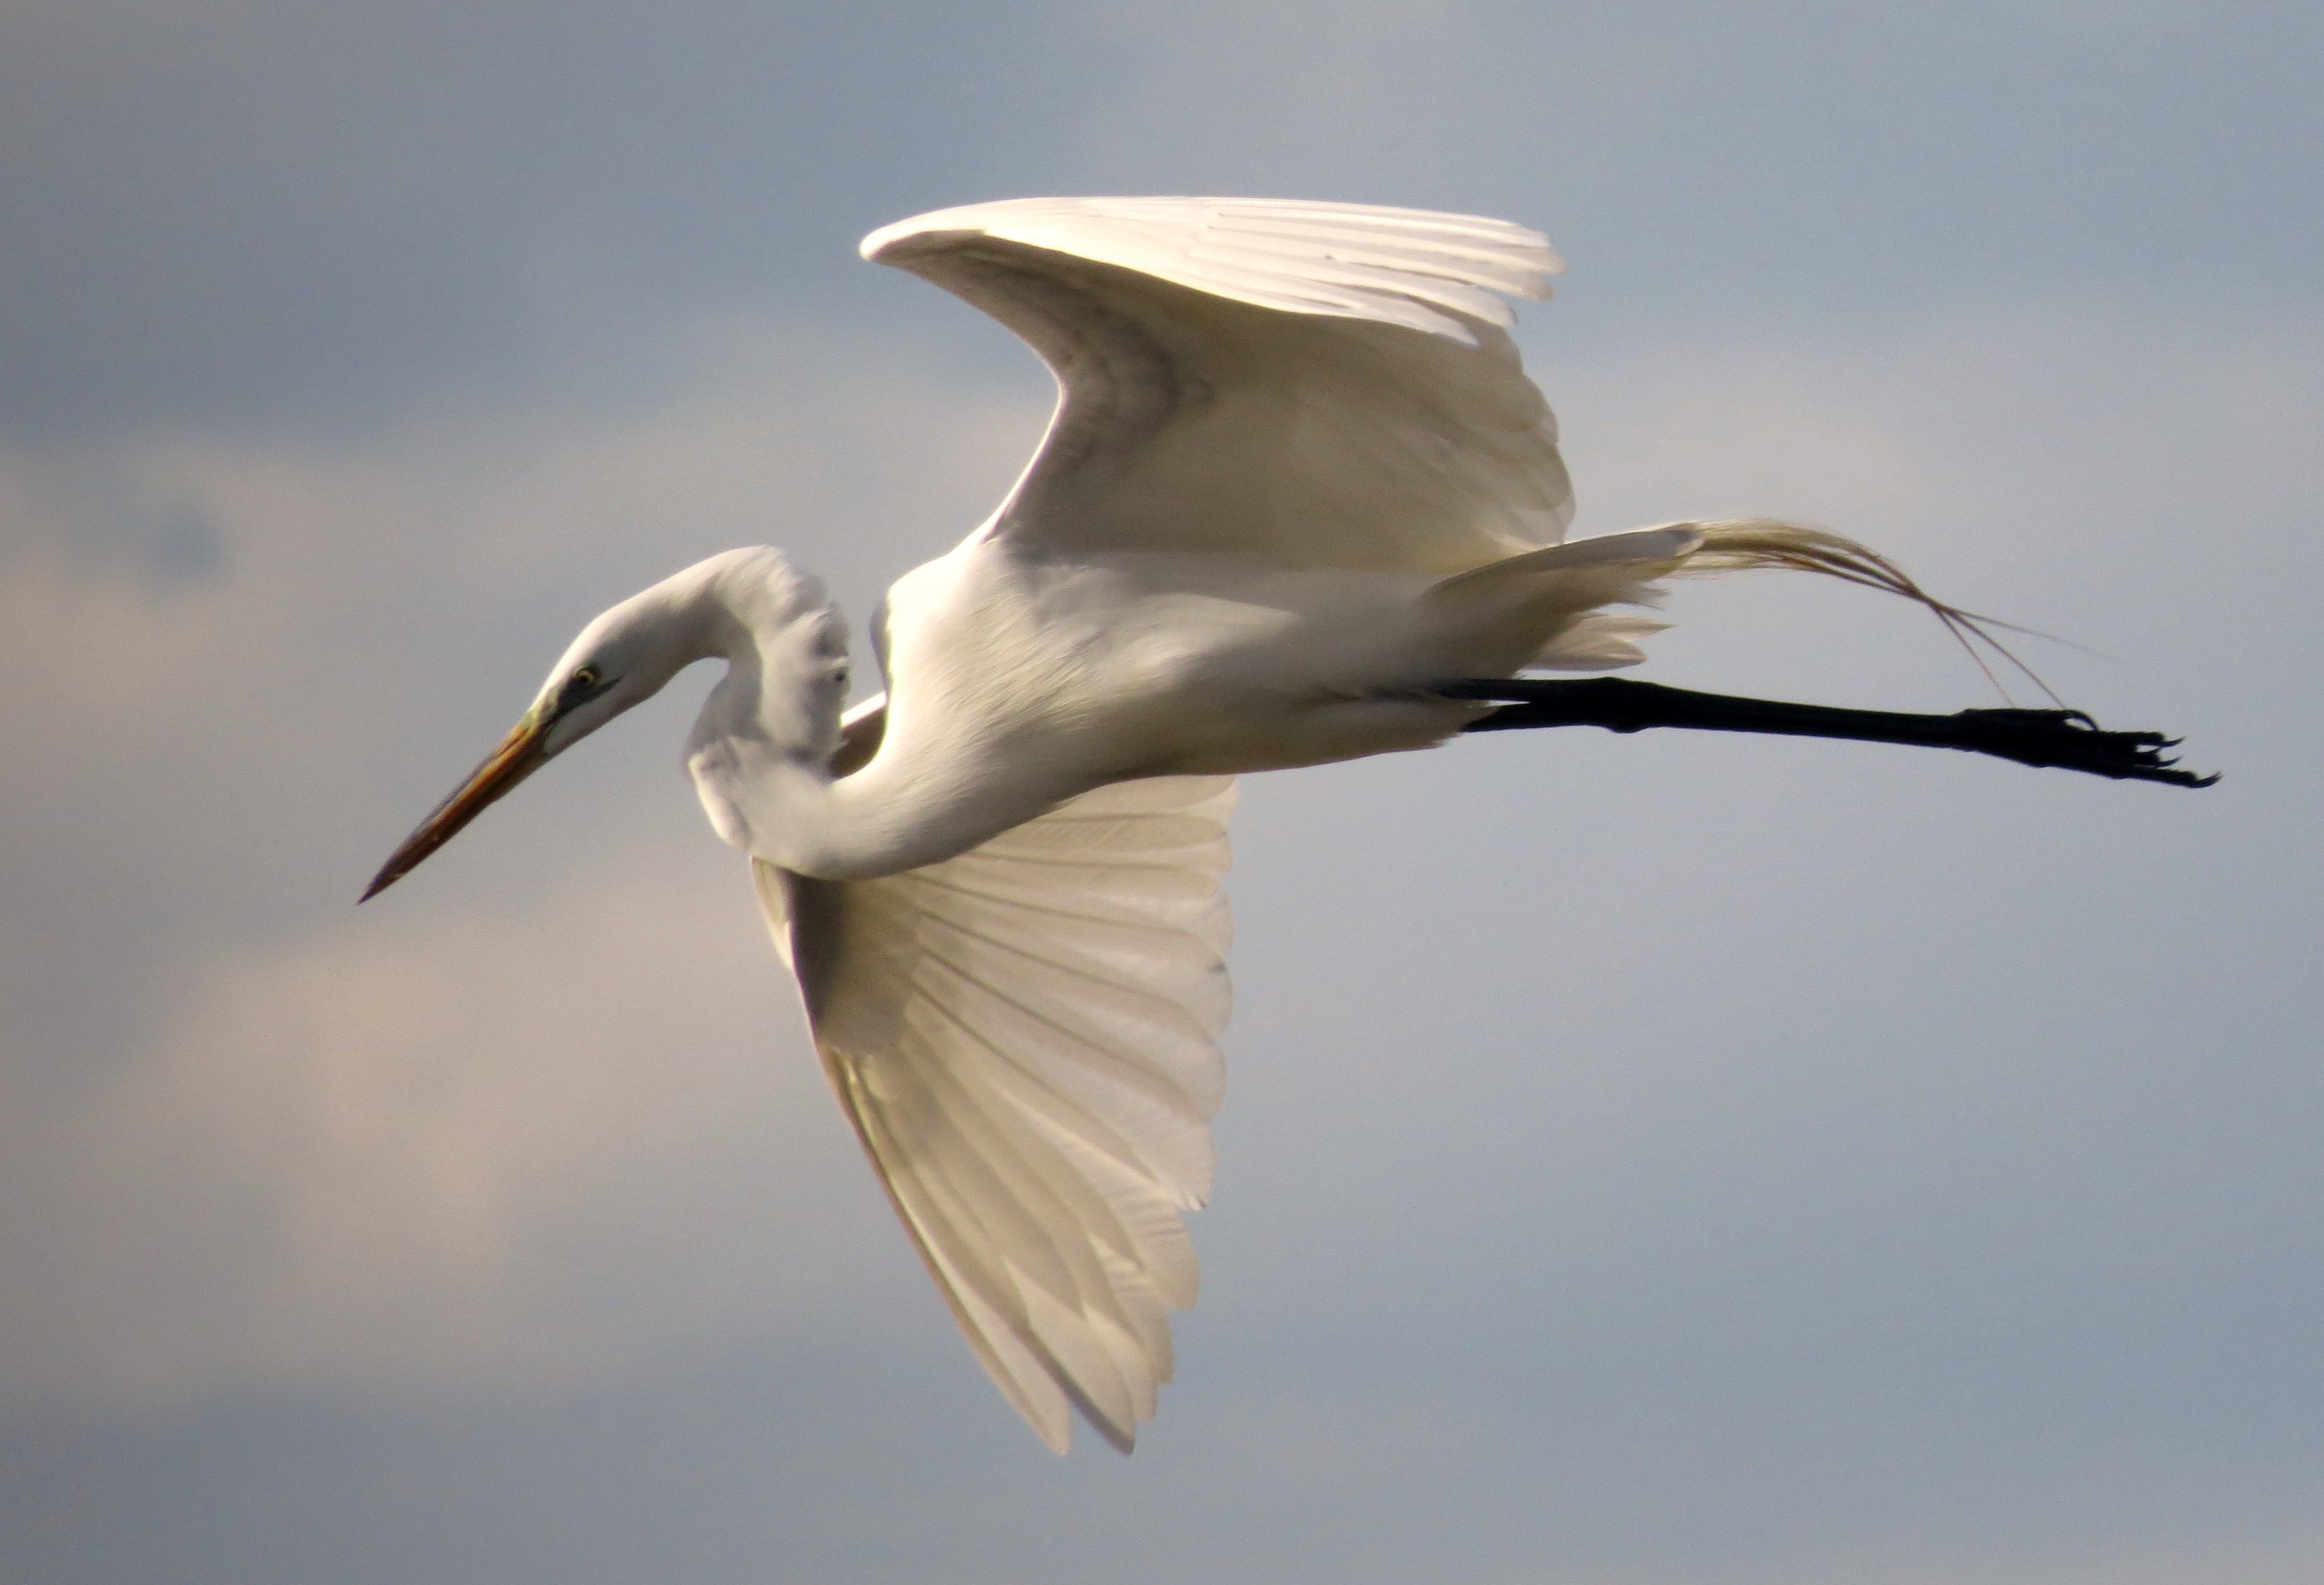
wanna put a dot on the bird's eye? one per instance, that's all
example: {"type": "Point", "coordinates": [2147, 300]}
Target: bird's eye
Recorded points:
{"type": "Point", "coordinates": [586, 676]}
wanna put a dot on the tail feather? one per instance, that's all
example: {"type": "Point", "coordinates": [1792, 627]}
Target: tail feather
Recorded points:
{"type": "Point", "coordinates": [1755, 544]}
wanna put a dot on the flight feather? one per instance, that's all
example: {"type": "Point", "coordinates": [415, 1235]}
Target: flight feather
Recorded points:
{"type": "Point", "coordinates": [1026, 1040]}
{"type": "Point", "coordinates": [1314, 384]}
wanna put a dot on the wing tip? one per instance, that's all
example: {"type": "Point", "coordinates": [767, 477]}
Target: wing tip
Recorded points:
{"type": "Point", "coordinates": [879, 245]}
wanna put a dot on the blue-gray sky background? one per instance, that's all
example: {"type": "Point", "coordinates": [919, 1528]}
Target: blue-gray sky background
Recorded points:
{"type": "Point", "coordinates": [1644, 1161]}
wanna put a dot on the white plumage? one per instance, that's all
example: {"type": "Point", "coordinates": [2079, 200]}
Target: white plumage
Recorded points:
{"type": "Point", "coordinates": [1297, 498]}
{"type": "Point", "coordinates": [1026, 1039]}
{"type": "Point", "coordinates": [1238, 376]}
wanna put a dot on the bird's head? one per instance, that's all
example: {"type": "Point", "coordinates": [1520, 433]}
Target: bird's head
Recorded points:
{"type": "Point", "coordinates": [621, 659]}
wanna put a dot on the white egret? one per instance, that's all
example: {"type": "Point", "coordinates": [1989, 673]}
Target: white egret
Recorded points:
{"type": "Point", "coordinates": [1299, 502]}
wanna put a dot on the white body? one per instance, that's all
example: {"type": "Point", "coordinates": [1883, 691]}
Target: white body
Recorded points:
{"type": "Point", "coordinates": [1016, 683]}
{"type": "Point", "coordinates": [1298, 479]}
{"type": "Point", "coordinates": [1240, 546]}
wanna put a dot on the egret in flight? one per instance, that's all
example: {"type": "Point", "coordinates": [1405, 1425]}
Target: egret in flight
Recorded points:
{"type": "Point", "coordinates": [1299, 502]}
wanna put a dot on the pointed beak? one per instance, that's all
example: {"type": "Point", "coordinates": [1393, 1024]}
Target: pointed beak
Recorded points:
{"type": "Point", "coordinates": [518, 757]}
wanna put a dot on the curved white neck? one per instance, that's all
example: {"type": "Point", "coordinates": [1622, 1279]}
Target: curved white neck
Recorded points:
{"type": "Point", "coordinates": [783, 805]}
{"type": "Point", "coordinates": [760, 753]}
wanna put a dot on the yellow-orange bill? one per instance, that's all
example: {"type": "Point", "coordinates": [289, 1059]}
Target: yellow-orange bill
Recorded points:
{"type": "Point", "coordinates": [519, 755]}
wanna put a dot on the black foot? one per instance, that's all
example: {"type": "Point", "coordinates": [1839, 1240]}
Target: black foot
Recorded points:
{"type": "Point", "coordinates": [2070, 740]}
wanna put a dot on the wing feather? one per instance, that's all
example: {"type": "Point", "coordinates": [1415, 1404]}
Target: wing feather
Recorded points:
{"type": "Point", "coordinates": [1025, 1038]}
{"type": "Point", "coordinates": [1315, 384]}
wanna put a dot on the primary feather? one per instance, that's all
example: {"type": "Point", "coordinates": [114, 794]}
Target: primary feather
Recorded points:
{"type": "Point", "coordinates": [1026, 1039]}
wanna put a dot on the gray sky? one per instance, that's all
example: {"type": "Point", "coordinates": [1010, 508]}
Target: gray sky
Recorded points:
{"type": "Point", "coordinates": [1644, 1160]}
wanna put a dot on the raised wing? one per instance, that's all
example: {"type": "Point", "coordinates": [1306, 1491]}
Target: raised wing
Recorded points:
{"type": "Point", "coordinates": [1026, 1039]}
{"type": "Point", "coordinates": [1317, 384]}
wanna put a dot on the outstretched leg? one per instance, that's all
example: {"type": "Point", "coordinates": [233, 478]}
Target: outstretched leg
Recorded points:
{"type": "Point", "coordinates": [2066, 739]}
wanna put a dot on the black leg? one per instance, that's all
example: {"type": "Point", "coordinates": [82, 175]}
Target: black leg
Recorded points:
{"type": "Point", "coordinates": [2066, 739]}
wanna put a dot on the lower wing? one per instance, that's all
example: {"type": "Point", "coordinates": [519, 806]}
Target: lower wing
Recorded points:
{"type": "Point", "coordinates": [1026, 1039]}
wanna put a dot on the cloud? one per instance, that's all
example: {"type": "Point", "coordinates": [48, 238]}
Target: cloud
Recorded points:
{"type": "Point", "coordinates": [258, 1137]}
{"type": "Point", "coordinates": [436, 1150]}
{"type": "Point", "coordinates": [242, 739]}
